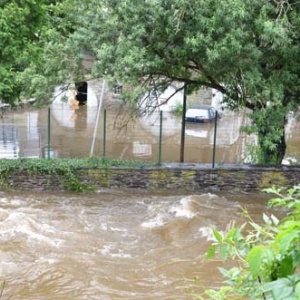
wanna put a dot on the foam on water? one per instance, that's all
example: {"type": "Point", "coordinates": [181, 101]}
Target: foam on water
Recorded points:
{"type": "Point", "coordinates": [117, 229]}
{"type": "Point", "coordinates": [114, 251]}
{"type": "Point", "coordinates": [184, 209]}
{"type": "Point", "coordinates": [103, 226]}
{"type": "Point", "coordinates": [22, 226]}
{"type": "Point", "coordinates": [157, 221]}
{"type": "Point", "coordinates": [207, 233]}
{"type": "Point", "coordinates": [14, 202]}
{"type": "Point", "coordinates": [161, 212]}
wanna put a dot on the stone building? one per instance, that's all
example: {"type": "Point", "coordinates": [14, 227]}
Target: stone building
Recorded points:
{"type": "Point", "coordinates": [89, 93]}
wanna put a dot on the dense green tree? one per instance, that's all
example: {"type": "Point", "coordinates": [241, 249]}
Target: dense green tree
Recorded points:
{"type": "Point", "coordinates": [19, 37]}
{"type": "Point", "coordinates": [32, 48]}
{"type": "Point", "coordinates": [247, 49]}
{"type": "Point", "coordinates": [55, 63]}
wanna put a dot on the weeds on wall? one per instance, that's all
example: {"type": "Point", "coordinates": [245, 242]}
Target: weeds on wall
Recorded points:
{"type": "Point", "coordinates": [65, 169]}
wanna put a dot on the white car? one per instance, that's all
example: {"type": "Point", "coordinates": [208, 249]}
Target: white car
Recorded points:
{"type": "Point", "coordinates": [201, 114]}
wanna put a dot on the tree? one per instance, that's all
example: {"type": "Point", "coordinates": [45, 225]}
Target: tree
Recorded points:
{"type": "Point", "coordinates": [33, 56]}
{"type": "Point", "coordinates": [19, 40]}
{"type": "Point", "coordinates": [246, 49]}
{"type": "Point", "coordinates": [55, 64]}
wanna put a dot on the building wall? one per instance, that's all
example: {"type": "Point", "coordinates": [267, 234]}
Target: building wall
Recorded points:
{"type": "Point", "coordinates": [203, 96]}
{"type": "Point", "coordinates": [94, 92]}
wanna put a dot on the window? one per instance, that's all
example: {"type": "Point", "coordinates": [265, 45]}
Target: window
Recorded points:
{"type": "Point", "coordinates": [117, 89]}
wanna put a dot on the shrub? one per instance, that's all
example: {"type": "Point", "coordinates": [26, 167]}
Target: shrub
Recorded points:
{"type": "Point", "coordinates": [267, 256]}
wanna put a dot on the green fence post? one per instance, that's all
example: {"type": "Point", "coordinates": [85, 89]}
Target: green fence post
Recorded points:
{"type": "Point", "coordinates": [182, 139]}
{"type": "Point", "coordinates": [49, 134]}
{"type": "Point", "coordinates": [104, 133]}
{"type": "Point", "coordinates": [160, 137]}
{"type": "Point", "coordinates": [215, 139]}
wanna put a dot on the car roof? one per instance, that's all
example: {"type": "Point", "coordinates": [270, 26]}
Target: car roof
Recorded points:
{"type": "Point", "coordinates": [200, 106]}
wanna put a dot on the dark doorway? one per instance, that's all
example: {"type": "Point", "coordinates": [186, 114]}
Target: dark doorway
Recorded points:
{"type": "Point", "coordinates": [81, 93]}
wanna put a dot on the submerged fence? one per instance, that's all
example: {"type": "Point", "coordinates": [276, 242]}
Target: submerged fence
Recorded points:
{"type": "Point", "coordinates": [213, 124]}
{"type": "Point", "coordinates": [59, 131]}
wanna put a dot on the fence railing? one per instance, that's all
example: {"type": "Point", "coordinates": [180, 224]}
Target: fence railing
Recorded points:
{"type": "Point", "coordinates": [59, 131]}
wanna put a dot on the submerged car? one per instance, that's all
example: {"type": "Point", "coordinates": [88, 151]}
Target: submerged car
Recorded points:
{"type": "Point", "coordinates": [201, 114]}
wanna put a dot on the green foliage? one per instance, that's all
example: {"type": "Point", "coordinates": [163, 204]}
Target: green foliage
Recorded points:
{"type": "Point", "coordinates": [253, 154]}
{"type": "Point", "coordinates": [19, 43]}
{"type": "Point", "coordinates": [267, 256]}
{"type": "Point", "coordinates": [65, 168]}
{"type": "Point", "coordinates": [2, 284]}
{"type": "Point", "coordinates": [269, 124]}
{"type": "Point", "coordinates": [56, 65]}
{"type": "Point", "coordinates": [33, 54]}
{"type": "Point", "coordinates": [178, 109]}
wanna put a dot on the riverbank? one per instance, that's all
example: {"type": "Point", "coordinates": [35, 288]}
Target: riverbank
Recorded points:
{"type": "Point", "coordinates": [92, 174]}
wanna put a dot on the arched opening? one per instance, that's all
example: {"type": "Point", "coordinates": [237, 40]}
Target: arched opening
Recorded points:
{"type": "Point", "coordinates": [81, 92]}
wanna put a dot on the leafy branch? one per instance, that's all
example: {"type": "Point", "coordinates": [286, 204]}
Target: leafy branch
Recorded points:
{"type": "Point", "coordinates": [267, 256]}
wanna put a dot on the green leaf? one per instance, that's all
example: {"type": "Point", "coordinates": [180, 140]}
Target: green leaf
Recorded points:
{"type": "Point", "coordinates": [211, 252]}
{"type": "Point", "coordinates": [267, 219]}
{"type": "Point", "coordinates": [275, 220]}
{"type": "Point", "coordinates": [224, 251]}
{"type": "Point", "coordinates": [282, 293]}
{"type": "Point", "coordinates": [223, 271]}
{"type": "Point", "coordinates": [297, 290]}
{"type": "Point", "coordinates": [254, 258]}
{"type": "Point", "coordinates": [218, 236]}
{"type": "Point", "coordinates": [286, 267]}
{"type": "Point", "coordinates": [275, 285]}
{"type": "Point", "coordinates": [286, 239]}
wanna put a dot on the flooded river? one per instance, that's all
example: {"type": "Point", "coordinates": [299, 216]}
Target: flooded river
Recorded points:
{"type": "Point", "coordinates": [116, 244]}
{"type": "Point", "coordinates": [113, 244]}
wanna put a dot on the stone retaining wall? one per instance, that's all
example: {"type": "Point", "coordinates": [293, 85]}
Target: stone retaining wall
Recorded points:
{"type": "Point", "coordinates": [186, 177]}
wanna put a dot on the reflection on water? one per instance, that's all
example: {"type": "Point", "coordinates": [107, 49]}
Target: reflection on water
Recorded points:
{"type": "Point", "coordinates": [19, 135]}
{"type": "Point", "coordinates": [9, 144]}
{"type": "Point", "coordinates": [112, 245]}
{"type": "Point", "coordinates": [71, 133]}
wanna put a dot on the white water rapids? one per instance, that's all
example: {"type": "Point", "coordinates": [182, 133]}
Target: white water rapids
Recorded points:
{"type": "Point", "coordinates": [112, 245]}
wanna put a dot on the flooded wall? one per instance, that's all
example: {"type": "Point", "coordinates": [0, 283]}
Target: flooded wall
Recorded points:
{"type": "Point", "coordinates": [191, 178]}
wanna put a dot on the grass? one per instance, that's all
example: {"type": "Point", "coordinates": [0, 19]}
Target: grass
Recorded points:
{"type": "Point", "coordinates": [50, 165]}
{"type": "Point", "coordinates": [65, 167]}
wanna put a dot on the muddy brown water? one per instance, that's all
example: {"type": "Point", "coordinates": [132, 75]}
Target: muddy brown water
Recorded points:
{"type": "Point", "coordinates": [113, 244]}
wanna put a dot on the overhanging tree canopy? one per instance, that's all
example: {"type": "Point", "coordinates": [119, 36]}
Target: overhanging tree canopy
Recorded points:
{"type": "Point", "coordinates": [33, 52]}
{"type": "Point", "coordinates": [247, 49]}
{"type": "Point", "coordinates": [19, 37]}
